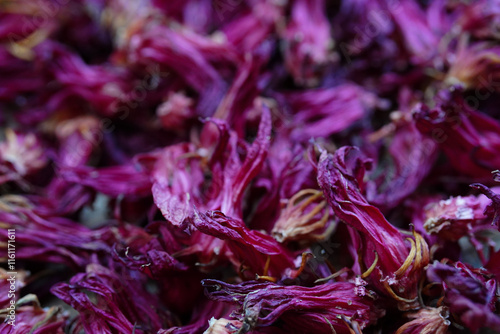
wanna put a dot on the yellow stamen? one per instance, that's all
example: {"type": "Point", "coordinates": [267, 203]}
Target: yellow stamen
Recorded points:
{"type": "Point", "coordinates": [330, 324]}
{"type": "Point", "coordinates": [418, 242]}
{"type": "Point", "coordinates": [266, 267]}
{"type": "Point", "coordinates": [395, 296]}
{"type": "Point", "coordinates": [372, 267]}
{"type": "Point", "coordinates": [241, 270]}
{"type": "Point", "coordinates": [266, 278]}
{"type": "Point", "coordinates": [23, 49]}
{"type": "Point", "coordinates": [314, 211]}
{"type": "Point", "coordinates": [296, 198]}
{"type": "Point", "coordinates": [353, 326]}
{"type": "Point", "coordinates": [305, 257]}
{"type": "Point", "coordinates": [332, 276]}
{"type": "Point", "coordinates": [425, 250]}
{"type": "Point", "coordinates": [294, 221]}
{"type": "Point", "coordinates": [408, 260]}
{"type": "Point", "coordinates": [321, 223]}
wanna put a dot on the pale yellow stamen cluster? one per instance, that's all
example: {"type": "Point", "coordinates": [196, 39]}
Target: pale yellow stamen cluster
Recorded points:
{"type": "Point", "coordinates": [298, 223]}
{"type": "Point", "coordinates": [416, 260]}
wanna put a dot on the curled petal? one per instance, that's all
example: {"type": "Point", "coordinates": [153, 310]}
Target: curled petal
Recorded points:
{"type": "Point", "coordinates": [320, 308]}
